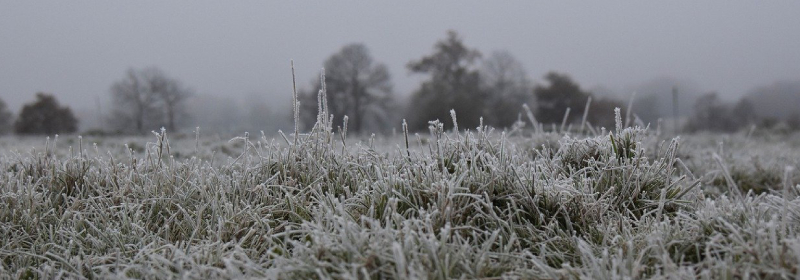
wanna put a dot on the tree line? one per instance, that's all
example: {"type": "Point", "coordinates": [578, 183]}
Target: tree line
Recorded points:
{"type": "Point", "coordinates": [480, 89]}
{"type": "Point", "coordinates": [144, 100]}
{"type": "Point", "coordinates": [491, 90]}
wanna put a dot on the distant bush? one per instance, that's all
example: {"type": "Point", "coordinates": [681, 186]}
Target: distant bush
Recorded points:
{"type": "Point", "coordinates": [5, 118]}
{"type": "Point", "coordinates": [45, 116]}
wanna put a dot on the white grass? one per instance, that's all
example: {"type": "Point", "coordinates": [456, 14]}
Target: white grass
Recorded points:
{"type": "Point", "coordinates": [625, 205]}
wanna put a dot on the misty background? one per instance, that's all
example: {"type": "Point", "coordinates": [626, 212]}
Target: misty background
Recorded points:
{"type": "Point", "coordinates": [235, 56]}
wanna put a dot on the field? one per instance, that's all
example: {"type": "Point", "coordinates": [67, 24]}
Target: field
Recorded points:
{"type": "Point", "coordinates": [629, 203]}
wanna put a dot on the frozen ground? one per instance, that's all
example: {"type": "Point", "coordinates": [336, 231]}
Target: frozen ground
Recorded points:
{"type": "Point", "coordinates": [626, 204]}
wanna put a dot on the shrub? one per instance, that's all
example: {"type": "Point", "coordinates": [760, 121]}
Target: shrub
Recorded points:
{"type": "Point", "coordinates": [45, 116]}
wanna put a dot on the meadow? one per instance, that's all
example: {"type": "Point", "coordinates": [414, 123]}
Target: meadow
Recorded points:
{"type": "Point", "coordinates": [481, 203]}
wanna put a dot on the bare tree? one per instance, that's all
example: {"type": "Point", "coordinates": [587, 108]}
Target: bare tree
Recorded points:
{"type": "Point", "coordinates": [172, 95]}
{"type": "Point", "coordinates": [146, 99]}
{"type": "Point", "coordinates": [133, 100]}
{"type": "Point", "coordinates": [508, 86]}
{"type": "Point", "coordinates": [356, 86]}
{"type": "Point", "coordinates": [711, 113]}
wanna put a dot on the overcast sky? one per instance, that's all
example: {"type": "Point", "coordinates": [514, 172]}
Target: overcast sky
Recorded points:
{"type": "Point", "coordinates": [77, 49]}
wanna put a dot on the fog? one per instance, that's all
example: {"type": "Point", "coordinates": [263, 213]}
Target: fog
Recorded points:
{"type": "Point", "coordinates": [77, 49]}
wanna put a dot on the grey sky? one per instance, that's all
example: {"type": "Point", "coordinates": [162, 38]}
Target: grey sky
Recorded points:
{"type": "Point", "coordinates": [76, 49]}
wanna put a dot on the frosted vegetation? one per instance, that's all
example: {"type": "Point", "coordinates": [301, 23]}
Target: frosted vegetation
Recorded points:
{"type": "Point", "coordinates": [628, 203]}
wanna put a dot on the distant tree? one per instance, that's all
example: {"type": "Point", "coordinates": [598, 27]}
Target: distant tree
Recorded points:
{"type": "Point", "coordinates": [654, 98]}
{"type": "Point", "coordinates": [213, 113]}
{"type": "Point", "coordinates": [601, 111]}
{"type": "Point", "coordinates": [45, 116]}
{"type": "Point", "coordinates": [5, 118]}
{"type": "Point", "coordinates": [257, 111]}
{"type": "Point", "coordinates": [711, 114]}
{"type": "Point", "coordinates": [146, 99]}
{"type": "Point", "coordinates": [553, 99]}
{"type": "Point", "coordinates": [777, 100]}
{"type": "Point", "coordinates": [794, 122]}
{"type": "Point", "coordinates": [453, 83]}
{"type": "Point", "coordinates": [356, 87]}
{"type": "Point", "coordinates": [650, 106]}
{"type": "Point", "coordinates": [172, 96]}
{"type": "Point", "coordinates": [508, 87]}
{"type": "Point", "coordinates": [135, 103]}
{"type": "Point", "coordinates": [744, 113]}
